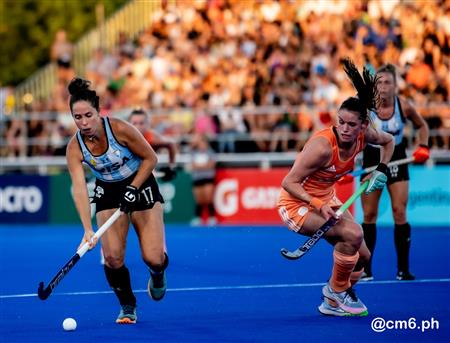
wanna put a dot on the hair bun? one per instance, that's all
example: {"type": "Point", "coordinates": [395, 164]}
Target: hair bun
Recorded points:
{"type": "Point", "coordinates": [78, 86]}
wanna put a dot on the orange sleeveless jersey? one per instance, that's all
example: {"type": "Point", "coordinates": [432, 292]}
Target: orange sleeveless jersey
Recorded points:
{"type": "Point", "coordinates": [320, 184]}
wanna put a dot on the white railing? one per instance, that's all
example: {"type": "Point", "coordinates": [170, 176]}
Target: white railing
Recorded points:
{"type": "Point", "coordinates": [54, 165]}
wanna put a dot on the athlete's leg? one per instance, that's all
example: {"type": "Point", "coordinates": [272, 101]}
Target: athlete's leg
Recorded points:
{"type": "Point", "coordinates": [369, 204]}
{"type": "Point", "coordinates": [149, 227]}
{"type": "Point", "coordinates": [347, 237]}
{"type": "Point", "coordinates": [209, 199]}
{"type": "Point", "coordinates": [113, 245]}
{"type": "Point", "coordinates": [402, 230]}
{"type": "Point", "coordinates": [200, 202]}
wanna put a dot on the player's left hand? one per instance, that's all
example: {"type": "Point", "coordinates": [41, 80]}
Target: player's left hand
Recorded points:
{"type": "Point", "coordinates": [130, 199]}
{"type": "Point", "coordinates": [378, 178]}
{"type": "Point", "coordinates": [88, 237]}
{"type": "Point", "coordinates": [421, 154]}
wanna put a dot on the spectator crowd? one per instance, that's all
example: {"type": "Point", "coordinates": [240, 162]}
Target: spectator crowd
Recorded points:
{"type": "Point", "coordinates": [250, 75]}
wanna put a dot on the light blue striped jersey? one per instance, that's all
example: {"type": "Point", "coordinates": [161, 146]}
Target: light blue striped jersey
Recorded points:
{"type": "Point", "coordinates": [116, 164]}
{"type": "Point", "coordinates": [394, 125]}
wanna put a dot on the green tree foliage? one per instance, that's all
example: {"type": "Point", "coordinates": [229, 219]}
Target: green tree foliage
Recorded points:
{"type": "Point", "coordinates": [28, 27]}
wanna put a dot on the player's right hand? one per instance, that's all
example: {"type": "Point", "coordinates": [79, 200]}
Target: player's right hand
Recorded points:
{"type": "Point", "coordinates": [327, 212]}
{"type": "Point", "coordinates": [421, 154]}
{"type": "Point", "coordinates": [88, 237]}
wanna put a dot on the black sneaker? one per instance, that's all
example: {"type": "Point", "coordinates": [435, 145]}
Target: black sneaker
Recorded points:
{"type": "Point", "coordinates": [157, 285]}
{"type": "Point", "coordinates": [405, 276]}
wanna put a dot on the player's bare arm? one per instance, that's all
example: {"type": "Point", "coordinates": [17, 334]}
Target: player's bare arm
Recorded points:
{"type": "Point", "coordinates": [129, 136]}
{"type": "Point", "coordinates": [80, 192]}
{"type": "Point", "coordinates": [315, 155]}
{"type": "Point", "coordinates": [419, 123]}
{"type": "Point", "coordinates": [384, 140]}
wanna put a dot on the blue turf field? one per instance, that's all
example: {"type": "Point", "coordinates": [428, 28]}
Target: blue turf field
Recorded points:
{"type": "Point", "coordinates": [227, 284]}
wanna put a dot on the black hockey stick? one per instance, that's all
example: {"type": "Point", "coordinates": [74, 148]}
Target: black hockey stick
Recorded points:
{"type": "Point", "coordinates": [44, 293]}
{"type": "Point", "coordinates": [307, 246]}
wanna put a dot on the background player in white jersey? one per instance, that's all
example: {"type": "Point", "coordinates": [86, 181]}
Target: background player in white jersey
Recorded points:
{"type": "Point", "coordinates": [390, 116]}
{"type": "Point", "coordinates": [122, 162]}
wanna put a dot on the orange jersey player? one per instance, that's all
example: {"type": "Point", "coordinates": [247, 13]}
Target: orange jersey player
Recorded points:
{"type": "Point", "coordinates": [308, 197]}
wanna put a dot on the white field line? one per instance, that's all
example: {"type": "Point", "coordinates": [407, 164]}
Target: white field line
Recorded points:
{"type": "Point", "coordinates": [238, 287]}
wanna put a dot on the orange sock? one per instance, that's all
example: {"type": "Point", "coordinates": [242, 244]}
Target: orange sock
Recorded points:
{"type": "Point", "coordinates": [355, 276]}
{"type": "Point", "coordinates": [342, 269]}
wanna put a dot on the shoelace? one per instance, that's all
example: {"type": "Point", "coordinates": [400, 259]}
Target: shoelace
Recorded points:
{"type": "Point", "coordinates": [128, 309]}
{"type": "Point", "coordinates": [351, 293]}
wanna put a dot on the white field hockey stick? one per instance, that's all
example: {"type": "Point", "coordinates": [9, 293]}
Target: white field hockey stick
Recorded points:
{"type": "Point", "coordinates": [307, 246]}
{"type": "Point", "coordinates": [390, 164]}
{"type": "Point", "coordinates": [44, 293]}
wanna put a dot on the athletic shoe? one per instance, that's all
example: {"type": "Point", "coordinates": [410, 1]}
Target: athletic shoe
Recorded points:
{"type": "Point", "coordinates": [347, 300]}
{"type": "Point", "coordinates": [196, 221]}
{"type": "Point", "coordinates": [405, 276]}
{"type": "Point", "coordinates": [366, 277]}
{"type": "Point", "coordinates": [211, 221]}
{"type": "Point", "coordinates": [329, 310]}
{"type": "Point", "coordinates": [157, 285]}
{"type": "Point", "coordinates": [127, 315]}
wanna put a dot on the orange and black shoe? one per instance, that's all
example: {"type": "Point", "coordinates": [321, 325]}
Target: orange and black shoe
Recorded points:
{"type": "Point", "coordinates": [127, 315]}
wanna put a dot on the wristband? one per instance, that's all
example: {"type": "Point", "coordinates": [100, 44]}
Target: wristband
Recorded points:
{"type": "Point", "coordinates": [382, 168]}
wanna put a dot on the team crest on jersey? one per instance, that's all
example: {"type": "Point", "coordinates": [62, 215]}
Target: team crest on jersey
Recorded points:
{"type": "Point", "coordinates": [92, 162]}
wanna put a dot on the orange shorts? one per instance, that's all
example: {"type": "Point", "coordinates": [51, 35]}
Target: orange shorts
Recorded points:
{"type": "Point", "coordinates": [294, 212]}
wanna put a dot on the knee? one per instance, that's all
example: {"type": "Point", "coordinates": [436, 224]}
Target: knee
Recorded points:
{"type": "Point", "coordinates": [354, 236]}
{"type": "Point", "coordinates": [158, 264]}
{"type": "Point", "coordinates": [114, 261]}
{"type": "Point", "coordinates": [399, 213]}
{"type": "Point", "coordinates": [155, 260]}
{"type": "Point", "coordinates": [370, 216]}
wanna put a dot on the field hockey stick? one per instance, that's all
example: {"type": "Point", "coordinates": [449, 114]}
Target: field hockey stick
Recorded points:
{"type": "Point", "coordinates": [44, 293]}
{"type": "Point", "coordinates": [307, 246]}
{"type": "Point", "coordinates": [368, 170]}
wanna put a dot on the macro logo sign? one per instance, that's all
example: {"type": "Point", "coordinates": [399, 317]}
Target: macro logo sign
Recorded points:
{"type": "Point", "coordinates": [248, 195]}
{"type": "Point", "coordinates": [23, 198]}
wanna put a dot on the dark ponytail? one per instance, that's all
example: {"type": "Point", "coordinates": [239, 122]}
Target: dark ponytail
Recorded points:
{"type": "Point", "coordinates": [367, 95]}
{"type": "Point", "coordinates": [79, 91]}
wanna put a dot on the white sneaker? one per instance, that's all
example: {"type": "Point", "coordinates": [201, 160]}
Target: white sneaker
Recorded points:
{"type": "Point", "coordinates": [196, 221]}
{"type": "Point", "coordinates": [212, 221]}
{"type": "Point", "coordinates": [327, 309]}
{"type": "Point", "coordinates": [347, 300]}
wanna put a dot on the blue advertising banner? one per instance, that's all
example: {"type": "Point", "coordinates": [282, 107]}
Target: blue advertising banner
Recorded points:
{"type": "Point", "coordinates": [23, 199]}
{"type": "Point", "coordinates": [429, 198]}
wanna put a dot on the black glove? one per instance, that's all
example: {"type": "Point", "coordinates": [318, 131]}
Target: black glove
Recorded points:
{"type": "Point", "coordinates": [169, 173]}
{"type": "Point", "coordinates": [130, 199]}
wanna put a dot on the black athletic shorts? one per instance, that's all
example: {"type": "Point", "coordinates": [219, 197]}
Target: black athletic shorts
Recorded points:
{"type": "Point", "coordinates": [371, 157]}
{"type": "Point", "coordinates": [108, 195]}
